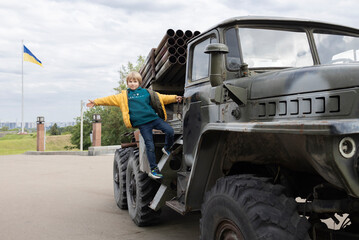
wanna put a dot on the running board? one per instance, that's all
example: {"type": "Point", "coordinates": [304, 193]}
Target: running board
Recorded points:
{"type": "Point", "coordinates": [163, 194]}
{"type": "Point", "coordinates": [167, 166]}
{"type": "Point", "coordinates": [177, 206]}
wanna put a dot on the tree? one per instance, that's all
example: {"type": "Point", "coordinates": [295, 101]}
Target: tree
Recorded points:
{"type": "Point", "coordinates": [54, 130]}
{"type": "Point", "coordinates": [113, 128]}
{"type": "Point", "coordinates": [87, 128]}
{"type": "Point", "coordinates": [66, 130]}
{"type": "Point", "coordinates": [4, 128]}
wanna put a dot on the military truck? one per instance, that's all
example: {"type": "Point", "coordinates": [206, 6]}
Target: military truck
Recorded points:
{"type": "Point", "coordinates": [267, 136]}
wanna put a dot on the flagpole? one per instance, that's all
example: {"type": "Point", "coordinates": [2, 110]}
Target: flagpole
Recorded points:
{"type": "Point", "coordinates": [22, 86]}
{"type": "Point", "coordinates": [82, 128]}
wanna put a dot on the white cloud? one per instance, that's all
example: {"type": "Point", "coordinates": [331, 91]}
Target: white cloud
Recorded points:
{"type": "Point", "coordinates": [83, 44]}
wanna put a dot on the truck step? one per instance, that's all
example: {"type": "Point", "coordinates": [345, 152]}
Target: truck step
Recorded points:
{"type": "Point", "coordinates": [177, 206]}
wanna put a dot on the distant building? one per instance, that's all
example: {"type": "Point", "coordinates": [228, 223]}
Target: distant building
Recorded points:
{"type": "Point", "coordinates": [29, 125]}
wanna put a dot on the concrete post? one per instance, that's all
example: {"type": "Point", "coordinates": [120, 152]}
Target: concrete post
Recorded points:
{"type": "Point", "coordinates": [40, 134]}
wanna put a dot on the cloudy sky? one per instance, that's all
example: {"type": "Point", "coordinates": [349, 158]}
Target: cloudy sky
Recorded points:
{"type": "Point", "coordinates": [82, 44]}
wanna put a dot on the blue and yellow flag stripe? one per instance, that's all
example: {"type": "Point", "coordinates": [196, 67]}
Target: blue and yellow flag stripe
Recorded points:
{"type": "Point", "coordinates": [28, 56]}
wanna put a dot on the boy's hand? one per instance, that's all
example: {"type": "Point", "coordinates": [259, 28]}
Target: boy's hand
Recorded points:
{"type": "Point", "coordinates": [179, 99]}
{"type": "Point", "coordinates": [90, 104]}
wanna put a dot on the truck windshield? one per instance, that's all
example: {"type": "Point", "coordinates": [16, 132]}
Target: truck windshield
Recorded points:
{"type": "Point", "coordinates": [334, 48]}
{"type": "Point", "coordinates": [269, 48]}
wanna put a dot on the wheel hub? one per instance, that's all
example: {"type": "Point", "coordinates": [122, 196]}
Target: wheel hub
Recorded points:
{"type": "Point", "coordinates": [116, 178]}
{"type": "Point", "coordinates": [116, 175]}
{"type": "Point", "coordinates": [228, 230]}
{"type": "Point", "coordinates": [132, 189]}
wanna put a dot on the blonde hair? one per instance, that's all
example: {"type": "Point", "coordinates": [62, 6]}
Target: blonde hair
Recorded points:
{"type": "Point", "coordinates": [135, 76]}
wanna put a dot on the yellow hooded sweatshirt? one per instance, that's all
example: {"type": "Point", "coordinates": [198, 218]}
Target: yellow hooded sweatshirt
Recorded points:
{"type": "Point", "coordinates": [120, 100]}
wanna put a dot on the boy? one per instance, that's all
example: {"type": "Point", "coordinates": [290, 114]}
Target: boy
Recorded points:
{"type": "Point", "coordinates": [145, 110]}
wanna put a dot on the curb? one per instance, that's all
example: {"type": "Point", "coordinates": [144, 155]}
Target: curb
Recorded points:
{"type": "Point", "coordinates": [78, 153]}
{"type": "Point", "coordinates": [103, 150]}
{"type": "Point", "coordinates": [92, 151]}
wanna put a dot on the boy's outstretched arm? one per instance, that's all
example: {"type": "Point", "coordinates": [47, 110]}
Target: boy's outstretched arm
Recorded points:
{"type": "Point", "coordinates": [90, 104]}
{"type": "Point", "coordinates": [113, 100]}
{"type": "Point", "coordinates": [167, 99]}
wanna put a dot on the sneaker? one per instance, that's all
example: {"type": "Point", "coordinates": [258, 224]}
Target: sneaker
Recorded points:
{"type": "Point", "coordinates": [155, 174]}
{"type": "Point", "coordinates": [167, 152]}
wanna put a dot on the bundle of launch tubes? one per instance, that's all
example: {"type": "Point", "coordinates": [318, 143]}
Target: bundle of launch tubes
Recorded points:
{"type": "Point", "coordinates": [167, 62]}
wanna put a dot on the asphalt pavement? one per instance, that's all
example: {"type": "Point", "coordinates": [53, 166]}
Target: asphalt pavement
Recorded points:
{"type": "Point", "coordinates": [51, 197]}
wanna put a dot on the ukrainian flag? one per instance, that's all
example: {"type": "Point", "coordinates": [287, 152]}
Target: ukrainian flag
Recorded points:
{"type": "Point", "coordinates": [28, 56]}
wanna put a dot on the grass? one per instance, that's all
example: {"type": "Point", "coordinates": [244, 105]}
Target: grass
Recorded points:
{"type": "Point", "coordinates": [18, 144]}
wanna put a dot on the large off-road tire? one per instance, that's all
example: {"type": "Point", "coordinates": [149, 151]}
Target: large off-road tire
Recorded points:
{"type": "Point", "coordinates": [250, 208]}
{"type": "Point", "coordinates": [140, 191]}
{"type": "Point", "coordinates": [119, 176]}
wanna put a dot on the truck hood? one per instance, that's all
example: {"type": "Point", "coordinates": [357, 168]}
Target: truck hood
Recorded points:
{"type": "Point", "coordinates": [304, 80]}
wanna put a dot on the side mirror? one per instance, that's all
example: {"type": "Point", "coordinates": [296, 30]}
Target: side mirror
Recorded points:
{"type": "Point", "coordinates": [217, 50]}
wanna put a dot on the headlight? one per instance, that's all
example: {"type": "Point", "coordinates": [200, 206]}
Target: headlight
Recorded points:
{"type": "Point", "coordinates": [347, 147]}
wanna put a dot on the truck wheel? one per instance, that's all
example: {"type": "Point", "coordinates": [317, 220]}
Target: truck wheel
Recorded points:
{"type": "Point", "coordinates": [119, 176]}
{"type": "Point", "coordinates": [140, 191]}
{"type": "Point", "coordinates": [251, 208]}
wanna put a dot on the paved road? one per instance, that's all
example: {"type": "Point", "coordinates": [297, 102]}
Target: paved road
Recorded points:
{"type": "Point", "coordinates": [71, 197]}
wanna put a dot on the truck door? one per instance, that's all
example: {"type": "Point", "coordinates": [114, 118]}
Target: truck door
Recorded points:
{"type": "Point", "coordinates": [196, 97]}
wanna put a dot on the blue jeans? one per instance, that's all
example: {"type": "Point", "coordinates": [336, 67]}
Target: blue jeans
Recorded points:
{"type": "Point", "coordinates": [146, 132]}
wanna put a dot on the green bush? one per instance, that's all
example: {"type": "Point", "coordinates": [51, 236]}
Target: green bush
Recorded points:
{"type": "Point", "coordinates": [54, 130]}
